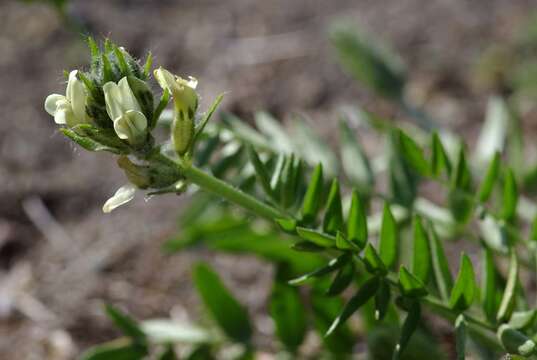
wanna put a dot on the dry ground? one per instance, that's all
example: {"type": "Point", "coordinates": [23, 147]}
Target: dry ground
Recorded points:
{"type": "Point", "coordinates": [60, 257]}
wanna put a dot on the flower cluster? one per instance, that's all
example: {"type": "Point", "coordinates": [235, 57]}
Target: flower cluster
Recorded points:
{"type": "Point", "coordinates": [111, 108]}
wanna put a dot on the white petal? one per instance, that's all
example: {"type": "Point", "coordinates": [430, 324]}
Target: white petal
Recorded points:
{"type": "Point", "coordinates": [122, 196]}
{"type": "Point", "coordinates": [192, 82]}
{"type": "Point", "coordinates": [64, 114]}
{"type": "Point", "coordinates": [128, 100]}
{"type": "Point", "coordinates": [51, 103]}
{"type": "Point", "coordinates": [70, 81]}
{"type": "Point", "coordinates": [131, 125]}
{"type": "Point", "coordinates": [76, 94]}
{"type": "Point", "coordinates": [112, 98]}
{"type": "Point", "coordinates": [165, 79]}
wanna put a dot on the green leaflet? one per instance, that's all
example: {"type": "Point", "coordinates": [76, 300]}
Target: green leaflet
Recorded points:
{"type": "Point", "coordinates": [333, 217]}
{"type": "Point", "coordinates": [442, 274]}
{"type": "Point", "coordinates": [115, 350]}
{"type": "Point", "coordinates": [168, 354]}
{"type": "Point", "coordinates": [388, 244]}
{"type": "Point", "coordinates": [312, 199]}
{"type": "Point", "coordinates": [410, 285]}
{"type": "Point", "coordinates": [439, 158]}
{"type": "Point", "coordinates": [288, 313]}
{"type": "Point", "coordinates": [354, 160]}
{"type": "Point", "coordinates": [460, 335]}
{"type": "Point", "coordinates": [421, 259]}
{"type": "Point", "coordinates": [489, 280]}
{"type": "Point", "coordinates": [261, 173]}
{"type": "Point", "coordinates": [126, 324]}
{"type": "Point", "coordinates": [522, 319]}
{"type": "Point", "coordinates": [510, 196]}
{"type": "Point", "coordinates": [403, 180]}
{"type": "Point", "coordinates": [409, 326]}
{"type": "Point", "coordinates": [90, 144]}
{"type": "Point", "coordinates": [228, 313]}
{"type": "Point", "coordinates": [515, 342]}
{"type": "Point", "coordinates": [342, 280]}
{"type": "Point", "coordinates": [369, 62]}
{"type": "Point", "coordinates": [357, 222]}
{"type": "Point", "coordinates": [333, 265]}
{"type": "Point", "coordinates": [382, 299]}
{"type": "Point", "coordinates": [163, 102]}
{"type": "Point", "coordinates": [325, 309]}
{"type": "Point", "coordinates": [460, 196]}
{"type": "Point", "coordinates": [464, 290]}
{"type": "Point", "coordinates": [509, 294]}
{"type": "Point", "coordinates": [366, 292]}
{"type": "Point", "coordinates": [373, 262]}
{"type": "Point", "coordinates": [206, 117]}
{"type": "Point", "coordinates": [413, 154]}
{"type": "Point", "coordinates": [485, 189]}
{"type": "Point", "coordinates": [316, 237]}
{"type": "Point", "coordinates": [312, 148]}
{"type": "Point", "coordinates": [274, 131]}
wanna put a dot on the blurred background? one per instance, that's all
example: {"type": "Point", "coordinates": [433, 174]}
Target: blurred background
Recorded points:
{"type": "Point", "coordinates": [61, 257]}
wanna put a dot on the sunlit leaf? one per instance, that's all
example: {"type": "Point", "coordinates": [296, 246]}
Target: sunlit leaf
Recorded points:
{"type": "Point", "coordinates": [494, 130]}
{"type": "Point", "coordinates": [312, 199]}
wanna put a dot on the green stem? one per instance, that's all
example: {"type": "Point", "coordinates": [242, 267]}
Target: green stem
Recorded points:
{"type": "Point", "coordinates": [218, 187]}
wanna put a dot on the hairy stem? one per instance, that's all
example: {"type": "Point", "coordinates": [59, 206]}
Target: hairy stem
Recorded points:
{"type": "Point", "coordinates": [218, 187]}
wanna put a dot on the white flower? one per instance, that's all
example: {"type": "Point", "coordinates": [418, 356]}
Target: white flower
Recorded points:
{"type": "Point", "coordinates": [122, 196]}
{"type": "Point", "coordinates": [71, 108]}
{"type": "Point", "coordinates": [184, 94]}
{"type": "Point", "coordinates": [123, 108]}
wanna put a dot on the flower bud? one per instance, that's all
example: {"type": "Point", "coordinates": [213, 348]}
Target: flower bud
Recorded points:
{"type": "Point", "coordinates": [182, 133]}
{"type": "Point", "coordinates": [122, 107]}
{"type": "Point", "coordinates": [185, 98]}
{"type": "Point", "coordinates": [137, 174]}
